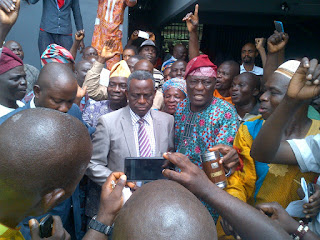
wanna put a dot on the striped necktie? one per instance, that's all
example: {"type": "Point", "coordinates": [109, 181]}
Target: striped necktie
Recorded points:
{"type": "Point", "coordinates": [60, 3]}
{"type": "Point", "coordinates": [143, 140]}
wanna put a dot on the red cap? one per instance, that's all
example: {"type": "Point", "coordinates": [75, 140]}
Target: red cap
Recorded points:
{"type": "Point", "coordinates": [8, 60]}
{"type": "Point", "coordinates": [198, 62]}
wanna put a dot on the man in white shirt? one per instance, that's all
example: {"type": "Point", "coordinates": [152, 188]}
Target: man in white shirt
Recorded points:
{"type": "Point", "coordinates": [248, 55]}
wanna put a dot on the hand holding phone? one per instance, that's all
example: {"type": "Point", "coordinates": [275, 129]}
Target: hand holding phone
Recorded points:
{"type": "Point", "coordinates": [143, 34]}
{"type": "Point", "coordinates": [144, 168]}
{"type": "Point", "coordinates": [279, 26]}
{"type": "Point", "coordinates": [45, 226]}
{"type": "Point", "coordinates": [45, 231]}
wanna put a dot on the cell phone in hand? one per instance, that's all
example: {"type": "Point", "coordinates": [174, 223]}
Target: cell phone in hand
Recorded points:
{"type": "Point", "coordinates": [279, 26]}
{"type": "Point", "coordinates": [144, 168]}
{"type": "Point", "coordinates": [45, 226]}
{"type": "Point", "coordinates": [143, 34]}
{"type": "Point", "coordinates": [311, 189]}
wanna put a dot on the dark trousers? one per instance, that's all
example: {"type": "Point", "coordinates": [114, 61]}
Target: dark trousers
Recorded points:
{"type": "Point", "coordinates": [46, 38]}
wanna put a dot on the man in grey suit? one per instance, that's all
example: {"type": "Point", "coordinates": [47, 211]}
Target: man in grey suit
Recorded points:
{"type": "Point", "coordinates": [132, 131]}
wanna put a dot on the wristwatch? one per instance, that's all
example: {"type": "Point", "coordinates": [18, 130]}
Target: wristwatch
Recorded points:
{"type": "Point", "coordinates": [100, 227]}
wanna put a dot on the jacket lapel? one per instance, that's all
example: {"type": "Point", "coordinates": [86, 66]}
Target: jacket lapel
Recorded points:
{"type": "Point", "coordinates": [127, 129]}
{"type": "Point", "coordinates": [156, 130]}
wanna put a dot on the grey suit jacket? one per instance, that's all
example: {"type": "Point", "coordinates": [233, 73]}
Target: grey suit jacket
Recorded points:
{"type": "Point", "coordinates": [113, 141]}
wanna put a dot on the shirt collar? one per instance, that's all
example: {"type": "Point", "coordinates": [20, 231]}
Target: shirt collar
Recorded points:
{"type": "Point", "coordinates": [32, 105]}
{"type": "Point", "coordinates": [135, 118]}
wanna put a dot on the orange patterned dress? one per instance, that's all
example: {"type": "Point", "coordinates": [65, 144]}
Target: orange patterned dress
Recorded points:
{"type": "Point", "coordinates": [108, 25]}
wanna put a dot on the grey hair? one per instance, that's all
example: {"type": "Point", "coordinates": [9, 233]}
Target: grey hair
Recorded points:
{"type": "Point", "coordinates": [140, 75]}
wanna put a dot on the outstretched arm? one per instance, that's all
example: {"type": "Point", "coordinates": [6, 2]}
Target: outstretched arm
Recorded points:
{"type": "Point", "coordinates": [267, 147]}
{"type": "Point", "coordinates": [248, 222]}
{"type": "Point", "coordinates": [95, 90]}
{"type": "Point", "coordinates": [78, 39]}
{"type": "Point", "coordinates": [276, 44]}
{"type": "Point", "coordinates": [9, 11]}
{"type": "Point", "coordinates": [192, 21]}
{"type": "Point", "coordinates": [260, 42]}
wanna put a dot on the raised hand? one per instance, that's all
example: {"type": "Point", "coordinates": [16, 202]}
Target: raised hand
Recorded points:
{"type": "Point", "coordinates": [8, 5]}
{"type": "Point", "coordinates": [260, 42]}
{"type": "Point", "coordinates": [277, 42]}
{"type": "Point", "coordinates": [305, 83]}
{"type": "Point", "coordinates": [9, 11]}
{"type": "Point", "coordinates": [79, 35]}
{"type": "Point", "coordinates": [152, 37]}
{"type": "Point", "coordinates": [134, 35]}
{"type": "Point", "coordinates": [107, 50]}
{"type": "Point", "coordinates": [192, 20]}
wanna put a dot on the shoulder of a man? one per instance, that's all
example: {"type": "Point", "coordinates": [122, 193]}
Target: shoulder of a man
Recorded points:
{"type": "Point", "coordinates": [114, 117]}
{"type": "Point", "coordinates": [162, 116]}
{"type": "Point", "coordinates": [7, 116]}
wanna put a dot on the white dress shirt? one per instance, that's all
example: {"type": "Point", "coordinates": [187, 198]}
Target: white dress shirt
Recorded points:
{"type": "Point", "coordinates": [5, 110]}
{"type": "Point", "coordinates": [256, 70]}
{"type": "Point", "coordinates": [148, 125]}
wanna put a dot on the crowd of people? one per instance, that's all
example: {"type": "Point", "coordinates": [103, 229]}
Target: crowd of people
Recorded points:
{"type": "Point", "coordinates": [67, 129]}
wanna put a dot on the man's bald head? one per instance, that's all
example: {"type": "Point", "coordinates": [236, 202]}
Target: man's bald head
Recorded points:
{"type": "Point", "coordinates": [133, 60]}
{"type": "Point", "coordinates": [81, 69]}
{"type": "Point", "coordinates": [180, 52]}
{"type": "Point", "coordinates": [49, 157]}
{"type": "Point", "coordinates": [15, 47]}
{"type": "Point", "coordinates": [56, 87]}
{"type": "Point", "coordinates": [144, 65]}
{"type": "Point", "coordinates": [163, 210]}
{"type": "Point", "coordinates": [89, 51]}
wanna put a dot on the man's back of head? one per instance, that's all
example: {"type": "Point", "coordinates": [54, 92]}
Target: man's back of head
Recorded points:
{"type": "Point", "coordinates": [164, 210]}
{"type": "Point", "coordinates": [42, 166]}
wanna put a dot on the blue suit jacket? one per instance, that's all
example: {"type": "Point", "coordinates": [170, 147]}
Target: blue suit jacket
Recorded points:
{"type": "Point", "coordinates": [58, 21]}
{"type": "Point", "coordinates": [74, 111]}
{"type": "Point", "coordinates": [63, 209]}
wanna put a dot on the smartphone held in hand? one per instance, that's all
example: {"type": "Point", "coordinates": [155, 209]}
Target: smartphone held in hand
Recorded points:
{"type": "Point", "coordinates": [144, 168]}
{"type": "Point", "coordinates": [45, 226]}
{"type": "Point", "coordinates": [143, 34]}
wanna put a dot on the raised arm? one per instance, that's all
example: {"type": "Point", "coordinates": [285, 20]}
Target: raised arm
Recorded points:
{"type": "Point", "coordinates": [95, 90]}
{"type": "Point", "coordinates": [276, 45]}
{"type": "Point", "coordinates": [260, 42]}
{"type": "Point", "coordinates": [78, 38]}
{"type": "Point", "coordinates": [9, 11]}
{"type": "Point", "coordinates": [267, 147]}
{"type": "Point", "coordinates": [192, 21]}
{"type": "Point", "coordinates": [248, 222]}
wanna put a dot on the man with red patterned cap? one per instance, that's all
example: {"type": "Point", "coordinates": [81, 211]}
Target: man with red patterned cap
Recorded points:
{"type": "Point", "coordinates": [13, 84]}
{"type": "Point", "coordinates": [201, 120]}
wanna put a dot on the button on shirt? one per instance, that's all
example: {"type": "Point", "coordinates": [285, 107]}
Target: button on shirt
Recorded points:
{"type": "Point", "coordinates": [256, 70]}
{"type": "Point", "coordinates": [148, 124]}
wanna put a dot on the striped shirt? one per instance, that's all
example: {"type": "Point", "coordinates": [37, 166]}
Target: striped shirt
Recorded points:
{"type": "Point", "coordinates": [148, 124]}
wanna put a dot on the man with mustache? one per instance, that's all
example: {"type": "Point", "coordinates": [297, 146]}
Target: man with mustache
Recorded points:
{"type": "Point", "coordinates": [248, 55]}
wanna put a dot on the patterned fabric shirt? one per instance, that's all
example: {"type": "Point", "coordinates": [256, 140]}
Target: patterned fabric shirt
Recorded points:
{"type": "Point", "coordinates": [95, 110]}
{"type": "Point", "coordinates": [148, 124]}
{"type": "Point", "coordinates": [196, 132]}
{"type": "Point", "coordinates": [9, 233]}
